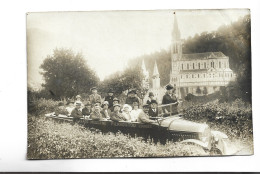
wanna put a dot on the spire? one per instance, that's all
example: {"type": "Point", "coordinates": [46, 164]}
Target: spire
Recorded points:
{"type": "Point", "coordinates": [155, 69]}
{"type": "Point", "coordinates": [143, 66]}
{"type": "Point", "coordinates": [176, 34]}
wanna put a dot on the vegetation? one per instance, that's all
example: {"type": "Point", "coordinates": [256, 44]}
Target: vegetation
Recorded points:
{"type": "Point", "coordinates": [50, 140]}
{"type": "Point", "coordinates": [67, 74]}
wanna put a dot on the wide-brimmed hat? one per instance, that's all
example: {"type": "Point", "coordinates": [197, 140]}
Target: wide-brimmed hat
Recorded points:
{"type": "Point", "coordinates": [151, 94]}
{"type": "Point", "coordinates": [78, 103]}
{"type": "Point", "coordinates": [116, 105]}
{"type": "Point", "coordinates": [115, 99]}
{"type": "Point", "coordinates": [126, 106]}
{"type": "Point", "coordinates": [154, 101]}
{"type": "Point", "coordinates": [169, 87]}
{"type": "Point", "coordinates": [78, 96]}
{"type": "Point", "coordinates": [93, 88]}
{"type": "Point", "coordinates": [145, 106]}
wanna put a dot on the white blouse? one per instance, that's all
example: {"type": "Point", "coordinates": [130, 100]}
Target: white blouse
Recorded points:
{"type": "Point", "coordinates": [134, 114]}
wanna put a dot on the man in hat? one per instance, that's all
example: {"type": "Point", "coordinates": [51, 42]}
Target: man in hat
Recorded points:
{"type": "Point", "coordinates": [106, 112]}
{"type": "Point", "coordinates": [170, 98]}
{"type": "Point", "coordinates": [96, 114]}
{"type": "Point", "coordinates": [151, 97]}
{"type": "Point", "coordinates": [143, 116]}
{"type": "Point", "coordinates": [86, 111]}
{"type": "Point", "coordinates": [110, 98]}
{"type": "Point", "coordinates": [116, 115]}
{"type": "Point", "coordinates": [131, 98]}
{"type": "Point", "coordinates": [153, 110]}
{"type": "Point", "coordinates": [76, 113]}
{"type": "Point", "coordinates": [94, 97]}
{"type": "Point", "coordinates": [78, 100]}
{"type": "Point", "coordinates": [70, 107]}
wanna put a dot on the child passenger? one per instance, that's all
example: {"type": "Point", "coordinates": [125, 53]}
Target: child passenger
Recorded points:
{"type": "Point", "coordinates": [126, 112]}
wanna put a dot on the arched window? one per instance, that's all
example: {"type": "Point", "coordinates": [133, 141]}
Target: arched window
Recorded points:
{"type": "Point", "coordinates": [198, 75]}
{"type": "Point", "coordinates": [204, 64]}
{"type": "Point", "coordinates": [182, 66]}
{"type": "Point", "coordinates": [219, 65]}
{"type": "Point", "coordinates": [188, 66]}
{"type": "Point", "coordinates": [199, 65]}
{"type": "Point", "coordinates": [192, 75]}
{"type": "Point", "coordinates": [187, 76]}
{"type": "Point", "coordinates": [213, 64]}
{"type": "Point", "coordinates": [193, 66]}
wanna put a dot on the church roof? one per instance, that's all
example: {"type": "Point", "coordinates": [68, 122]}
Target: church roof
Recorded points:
{"type": "Point", "coordinates": [155, 69]}
{"type": "Point", "coordinates": [206, 55]}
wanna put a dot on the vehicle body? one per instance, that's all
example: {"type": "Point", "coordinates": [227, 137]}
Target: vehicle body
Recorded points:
{"type": "Point", "coordinates": [171, 128]}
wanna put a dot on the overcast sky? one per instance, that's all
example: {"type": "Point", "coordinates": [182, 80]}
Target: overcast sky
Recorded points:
{"type": "Point", "coordinates": [109, 39]}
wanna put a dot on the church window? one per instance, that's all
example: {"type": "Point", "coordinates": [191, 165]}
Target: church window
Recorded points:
{"type": "Point", "coordinates": [182, 66]}
{"type": "Point", "coordinates": [219, 64]}
{"type": "Point", "coordinates": [187, 76]}
{"type": "Point", "coordinates": [225, 65]}
{"type": "Point", "coordinates": [193, 66]}
{"type": "Point", "coordinates": [188, 66]}
{"type": "Point", "coordinates": [213, 64]}
{"type": "Point", "coordinates": [192, 75]}
{"type": "Point", "coordinates": [199, 65]}
{"type": "Point", "coordinates": [204, 75]}
{"type": "Point", "coordinates": [204, 64]}
{"type": "Point", "coordinates": [231, 74]}
{"type": "Point", "coordinates": [198, 75]}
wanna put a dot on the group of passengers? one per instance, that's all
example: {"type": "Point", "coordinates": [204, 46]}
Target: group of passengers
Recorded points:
{"type": "Point", "coordinates": [111, 109]}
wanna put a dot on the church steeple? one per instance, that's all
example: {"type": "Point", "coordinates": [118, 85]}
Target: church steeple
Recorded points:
{"type": "Point", "coordinates": [176, 48]}
{"type": "Point", "coordinates": [156, 77]}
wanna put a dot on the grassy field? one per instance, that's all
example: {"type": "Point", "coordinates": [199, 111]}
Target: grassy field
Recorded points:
{"type": "Point", "coordinates": [50, 140]}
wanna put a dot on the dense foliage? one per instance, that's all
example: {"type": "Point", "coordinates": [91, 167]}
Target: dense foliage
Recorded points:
{"type": "Point", "coordinates": [233, 40]}
{"type": "Point", "coordinates": [235, 119]}
{"type": "Point", "coordinates": [128, 79]}
{"type": "Point", "coordinates": [67, 74]}
{"type": "Point", "coordinates": [50, 140]}
{"type": "Point", "coordinates": [41, 106]}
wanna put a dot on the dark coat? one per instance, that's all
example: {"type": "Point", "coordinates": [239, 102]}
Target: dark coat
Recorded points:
{"type": "Point", "coordinates": [110, 100]}
{"type": "Point", "coordinates": [153, 113]}
{"type": "Point", "coordinates": [76, 114]}
{"type": "Point", "coordinates": [86, 111]}
{"type": "Point", "coordinates": [168, 99]}
{"type": "Point", "coordinates": [94, 98]}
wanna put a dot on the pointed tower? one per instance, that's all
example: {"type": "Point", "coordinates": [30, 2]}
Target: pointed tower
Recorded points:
{"type": "Point", "coordinates": [156, 77]}
{"type": "Point", "coordinates": [176, 54]}
{"type": "Point", "coordinates": [146, 76]}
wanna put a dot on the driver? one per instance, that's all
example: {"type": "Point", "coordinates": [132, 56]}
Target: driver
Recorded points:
{"type": "Point", "coordinates": [143, 116]}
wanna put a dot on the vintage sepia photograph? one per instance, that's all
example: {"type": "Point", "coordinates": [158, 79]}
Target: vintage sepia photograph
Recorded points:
{"type": "Point", "coordinates": [124, 84]}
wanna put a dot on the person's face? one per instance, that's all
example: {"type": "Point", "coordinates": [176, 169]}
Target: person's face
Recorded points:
{"type": "Point", "coordinates": [131, 95]}
{"type": "Point", "coordinates": [71, 105]}
{"type": "Point", "coordinates": [116, 108]}
{"type": "Point", "coordinates": [153, 105]}
{"type": "Point", "coordinates": [97, 107]}
{"type": "Point", "coordinates": [88, 106]}
{"type": "Point", "coordinates": [146, 109]}
{"type": "Point", "coordinates": [152, 97]}
{"type": "Point", "coordinates": [105, 106]}
{"type": "Point", "coordinates": [169, 91]}
{"type": "Point", "coordinates": [78, 98]}
{"type": "Point", "coordinates": [110, 94]}
{"type": "Point", "coordinates": [135, 107]}
{"type": "Point", "coordinates": [126, 109]}
{"type": "Point", "coordinates": [94, 91]}
{"type": "Point", "coordinates": [115, 102]}
{"type": "Point", "coordinates": [77, 106]}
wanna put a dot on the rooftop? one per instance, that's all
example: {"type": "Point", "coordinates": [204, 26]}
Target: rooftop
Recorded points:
{"type": "Point", "coordinates": [206, 55]}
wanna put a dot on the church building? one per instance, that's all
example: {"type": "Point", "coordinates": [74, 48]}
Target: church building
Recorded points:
{"type": "Point", "coordinates": [198, 73]}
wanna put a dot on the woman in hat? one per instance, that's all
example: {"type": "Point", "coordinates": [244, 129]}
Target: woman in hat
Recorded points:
{"type": "Point", "coordinates": [96, 114]}
{"type": "Point", "coordinates": [151, 97]}
{"type": "Point", "coordinates": [86, 111]}
{"type": "Point", "coordinates": [170, 98]}
{"type": "Point", "coordinates": [135, 112]}
{"type": "Point", "coordinates": [116, 115]}
{"type": "Point", "coordinates": [94, 97]}
{"type": "Point", "coordinates": [115, 101]}
{"type": "Point", "coordinates": [106, 112]}
{"type": "Point", "coordinates": [126, 112]}
{"type": "Point", "coordinates": [78, 100]}
{"type": "Point", "coordinates": [110, 98]}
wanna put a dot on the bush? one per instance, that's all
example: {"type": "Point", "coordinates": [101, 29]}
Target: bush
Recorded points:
{"type": "Point", "coordinates": [50, 140]}
{"type": "Point", "coordinates": [235, 119]}
{"type": "Point", "coordinates": [42, 106]}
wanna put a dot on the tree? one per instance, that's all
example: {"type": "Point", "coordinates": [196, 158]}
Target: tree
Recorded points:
{"type": "Point", "coordinates": [67, 74]}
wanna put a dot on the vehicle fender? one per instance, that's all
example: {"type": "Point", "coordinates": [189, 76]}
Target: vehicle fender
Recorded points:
{"type": "Point", "coordinates": [222, 143]}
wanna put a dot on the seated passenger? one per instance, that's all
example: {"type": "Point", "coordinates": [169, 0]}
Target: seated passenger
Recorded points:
{"type": "Point", "coordinates": [131, 98]}
{"type": "Point", "coordinates": [135, 111]}
{"type": "Point", "coordinates": [151, 97]}
{"type": "Point", "coordinates": [76, 113]}
{"type": "Point", "coordinates": [115, 102]}
{"type": "Point", "coordinates": [96, 114]}
{"type": "Point", "coordinates": [78, 100]}
{"type": "Point", "coordinates": [70, 107]}
{"type": "Point", "coordinates": [61, 110]}
{"type": "Point", "coordinates": [86, 111]}
{"type": "Point", "coordinates": [143, 116]}
{"type": "Point", "coordinates": [106, 113]}
{"type": "Point", "coordinates": [153, 110]}
{"type": "Point", "coordinates": [116, 115]}
{"type": "Point", "coordinates": [126, 112]}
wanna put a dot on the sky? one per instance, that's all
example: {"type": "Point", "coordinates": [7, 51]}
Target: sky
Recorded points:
{"type": "Point", "coordinates": [108, 39]}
